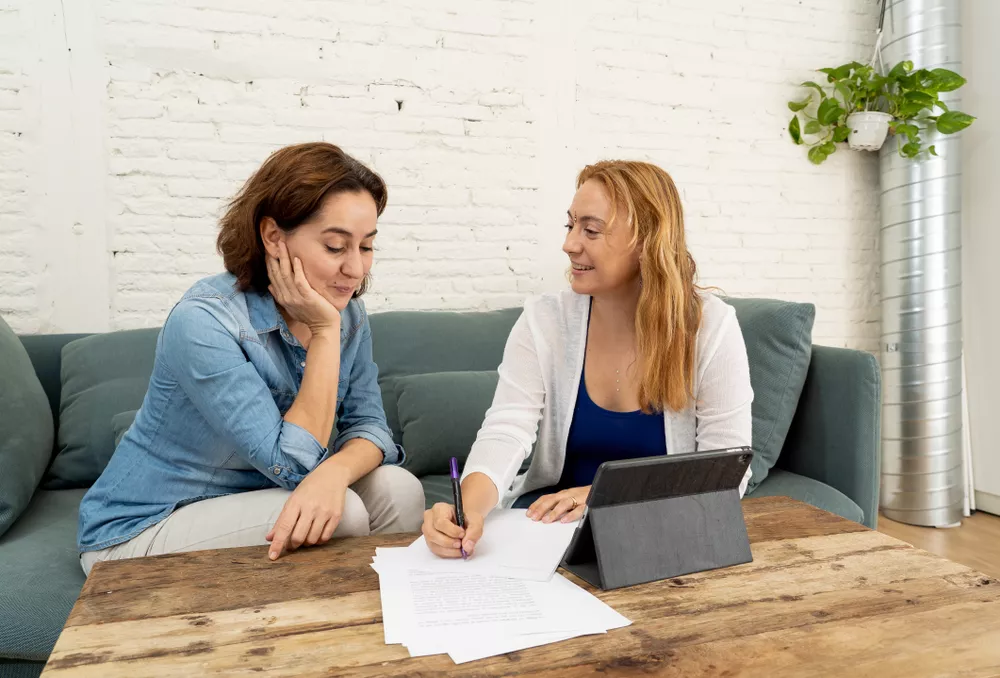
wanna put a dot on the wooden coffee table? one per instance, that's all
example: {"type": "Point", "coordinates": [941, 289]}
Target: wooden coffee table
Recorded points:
{"type": "Point", "coordinates": [822, 597]}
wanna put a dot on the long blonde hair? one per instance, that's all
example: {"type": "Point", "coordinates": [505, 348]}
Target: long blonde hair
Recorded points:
{"type": "Point", "coordinates": [669, 311]}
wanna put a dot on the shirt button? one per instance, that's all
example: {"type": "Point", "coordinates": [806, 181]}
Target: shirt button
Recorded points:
{"type": "Point", "coordinates": [303, 363]}
{"type": "Point", "coordinates": [277, 471]}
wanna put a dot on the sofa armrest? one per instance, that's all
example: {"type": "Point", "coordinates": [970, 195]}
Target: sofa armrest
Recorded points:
{"type": "Point", "coordinates": [834, 437]}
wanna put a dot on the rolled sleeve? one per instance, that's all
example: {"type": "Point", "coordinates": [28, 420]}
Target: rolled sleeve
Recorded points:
{"type": "Point", "coordinates": [392, 454]}
{"type": "Point", "coordinates": [299, 445]}
{"type": "Point", "coordinates": [361, 414]}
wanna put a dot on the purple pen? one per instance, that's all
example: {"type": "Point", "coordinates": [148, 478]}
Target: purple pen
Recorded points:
{"type": "Point", "coordinates": [456, 490]}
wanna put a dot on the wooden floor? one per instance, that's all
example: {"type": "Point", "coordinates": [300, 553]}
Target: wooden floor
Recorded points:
{"type": "Point", "coordinates": [975, 543]}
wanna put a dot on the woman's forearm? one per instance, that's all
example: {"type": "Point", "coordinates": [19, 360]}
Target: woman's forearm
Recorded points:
{"type": "Point", "coordinates": [479, 494]}
{"type": "Point", "coordinates": [352, 462]}
{"type": "Point", "coordinates": [315, 407]}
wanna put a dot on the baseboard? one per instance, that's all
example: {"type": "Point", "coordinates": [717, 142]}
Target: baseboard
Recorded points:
{"type": "Point", "coordinates": [990, 503]}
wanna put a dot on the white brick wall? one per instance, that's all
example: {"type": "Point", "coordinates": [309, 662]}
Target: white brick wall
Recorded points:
{"type": "Point", "coordinates": [18, 278]}
{"type": "Point", "coordinates": [478, 113]}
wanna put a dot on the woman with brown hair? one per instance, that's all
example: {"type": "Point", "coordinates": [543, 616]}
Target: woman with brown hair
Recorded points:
{"type": "Point", "coordinates": [263, 420]}
{"type": "Point", "coordinates": [634, 361]}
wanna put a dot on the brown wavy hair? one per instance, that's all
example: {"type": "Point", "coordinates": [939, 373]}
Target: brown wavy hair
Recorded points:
{"type": "Point", "coordinates": [290, 188]}
{"type": "Point", "coordinates": [668, 315]}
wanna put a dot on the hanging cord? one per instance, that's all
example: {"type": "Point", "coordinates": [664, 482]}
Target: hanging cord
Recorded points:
{"type": "Point", "coordinates": [877, 52]}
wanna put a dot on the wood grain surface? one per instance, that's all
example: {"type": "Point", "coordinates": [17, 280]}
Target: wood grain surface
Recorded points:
{"type": "Point", "coordinates": [823, 597]}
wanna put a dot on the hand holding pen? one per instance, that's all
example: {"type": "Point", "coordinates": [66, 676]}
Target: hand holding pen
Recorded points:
{"type": "Point", "coordinates": [450, 530]}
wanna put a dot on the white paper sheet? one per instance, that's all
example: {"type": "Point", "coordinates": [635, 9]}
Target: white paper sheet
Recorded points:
{"type": "Point", "coordinates": [471, 616]}
{"type": "Point", "coordinates": [421, 603]}
{"type": "Point", "coordinates": [507, 597]}
{"type": "Point", "coordinates": [513, 545]}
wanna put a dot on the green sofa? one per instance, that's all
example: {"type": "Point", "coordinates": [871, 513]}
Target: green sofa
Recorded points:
{"type": "Point", "coordinates": [816, 431]}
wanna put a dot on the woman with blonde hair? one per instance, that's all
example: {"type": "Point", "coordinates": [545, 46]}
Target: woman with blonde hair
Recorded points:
{"type": "Point", "coordinates": [634, 361]}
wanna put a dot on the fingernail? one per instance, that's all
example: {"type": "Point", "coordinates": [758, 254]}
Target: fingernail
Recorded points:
{"type": "Point", "coordinates": [272, 555]}
{"type": "Point", "coordinates": [457, 545]}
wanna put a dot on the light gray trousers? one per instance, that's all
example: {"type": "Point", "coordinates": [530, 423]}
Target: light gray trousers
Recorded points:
{"type": "Point", "coordinates": [389, 499]}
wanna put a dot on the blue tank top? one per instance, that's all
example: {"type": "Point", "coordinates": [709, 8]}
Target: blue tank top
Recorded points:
{"type": "Point", "coordinates": [597, 435]}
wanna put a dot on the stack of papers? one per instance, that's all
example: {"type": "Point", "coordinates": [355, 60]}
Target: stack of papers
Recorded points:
{"type": "Point", "coordinates": [506, 597]}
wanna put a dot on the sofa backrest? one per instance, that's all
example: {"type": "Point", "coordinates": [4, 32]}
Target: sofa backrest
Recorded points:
{"type": "Point", "coordinates": [99, 377]}
{"type": "Point", "coordinates": [420, 342]}
{"type": "Point", "coordinates": [406, 343]}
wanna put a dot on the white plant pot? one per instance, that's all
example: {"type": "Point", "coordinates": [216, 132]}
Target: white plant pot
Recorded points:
{"type": "Point", "coordinates": [868, 130]}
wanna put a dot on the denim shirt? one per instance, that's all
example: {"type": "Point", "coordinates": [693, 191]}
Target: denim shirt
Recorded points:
{"type": "Point", "coordinates": [226, 370]}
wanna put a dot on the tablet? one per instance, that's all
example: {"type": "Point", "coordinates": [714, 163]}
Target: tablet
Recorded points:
{"type": "Point", "coordinates": [658, 517]}
{"type": "Point", "coordinates": [630, 480]}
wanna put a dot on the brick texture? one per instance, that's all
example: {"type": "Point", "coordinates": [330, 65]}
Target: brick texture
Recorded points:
{"type": "Point", "coordinates": [19, 278]}
{"type": "Point", "coordinates": [478, 113]}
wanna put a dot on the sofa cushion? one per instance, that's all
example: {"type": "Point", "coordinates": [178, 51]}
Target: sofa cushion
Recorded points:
{"type": "Point", "coordinates": [26, 428]}
{"type": "Point", "coordinates": [102, 375]}
{"type": "Point", "coordinates": [45, 351]}
{"type": "Point", "coordinates": [421, 342]}
{"type": "Point", "coordinates": [782, 483]}
{"type": "Point", "coordinates": [778, 337]}
{"type": "Point", "coordinates": [437, 488]}
{"type": "Point", "coordinates": [13, 668]}
{"type": "Point", "coordinates": [41, 575]}
{"type": "Point", "coordinates": [439, 416]}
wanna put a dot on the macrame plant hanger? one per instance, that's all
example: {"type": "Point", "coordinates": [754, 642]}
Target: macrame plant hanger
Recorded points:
{"type": "Point", "coordinates": [877, 52]}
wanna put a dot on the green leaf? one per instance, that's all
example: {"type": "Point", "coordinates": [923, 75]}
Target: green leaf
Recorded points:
{"type": "Point", "coordinates": [953, 121]}
{"type": "Point", "coordinates": [933, 152]}
{"type": "Point", "coordinates": [810, 83]}
{"type": "Point", "coordinates": [845, 92]}
{"type": "Point", "coordinates": [911, 131]}
{"type": "Point", "coordinates": [812, 127]}
{"type": "Point", "coordinates": [911, 149]}
{"type": "Point", "coordinates": [796, 106]}
{"type": "Point", "coordinates": [840, 133]}
{"type": "Point", "coordinates": [921, 98]}
{"type": "Point", "coordinates": [817, 155]}
{"type": "Point", "coordinates": [909, 82]}
{"type": "Point", "coordinates": [828, 148]}
{"type": "Point", "coordinates": [922, 78]}
{"type": "Point", "coordinates": [840, 72]}
{"type": "Point", "coordinates": [829, 112]}
{"type": "Point", "coordinates": [945, 80]}
{"type": "Point", "coordinates": [793, 130]}
{"type": "Point", "coordinates": [829, 72]}
{"type": "Point", "coordinates": [900, 69]}
{"type": "Point", "coordinates": [875, 83]}
{"type": "Point", "coordinates": [909, 110]}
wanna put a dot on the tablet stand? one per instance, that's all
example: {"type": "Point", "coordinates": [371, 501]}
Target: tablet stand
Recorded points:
{"type": "Point", "coordinates": [633, 543]}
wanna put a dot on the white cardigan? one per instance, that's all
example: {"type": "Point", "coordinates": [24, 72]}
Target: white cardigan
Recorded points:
{"type": "Point", "coordinates": [540, 376]}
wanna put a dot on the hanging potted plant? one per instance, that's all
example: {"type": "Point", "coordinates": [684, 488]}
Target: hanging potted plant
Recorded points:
{"type": "Point", "coordinates": [861, 107]}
